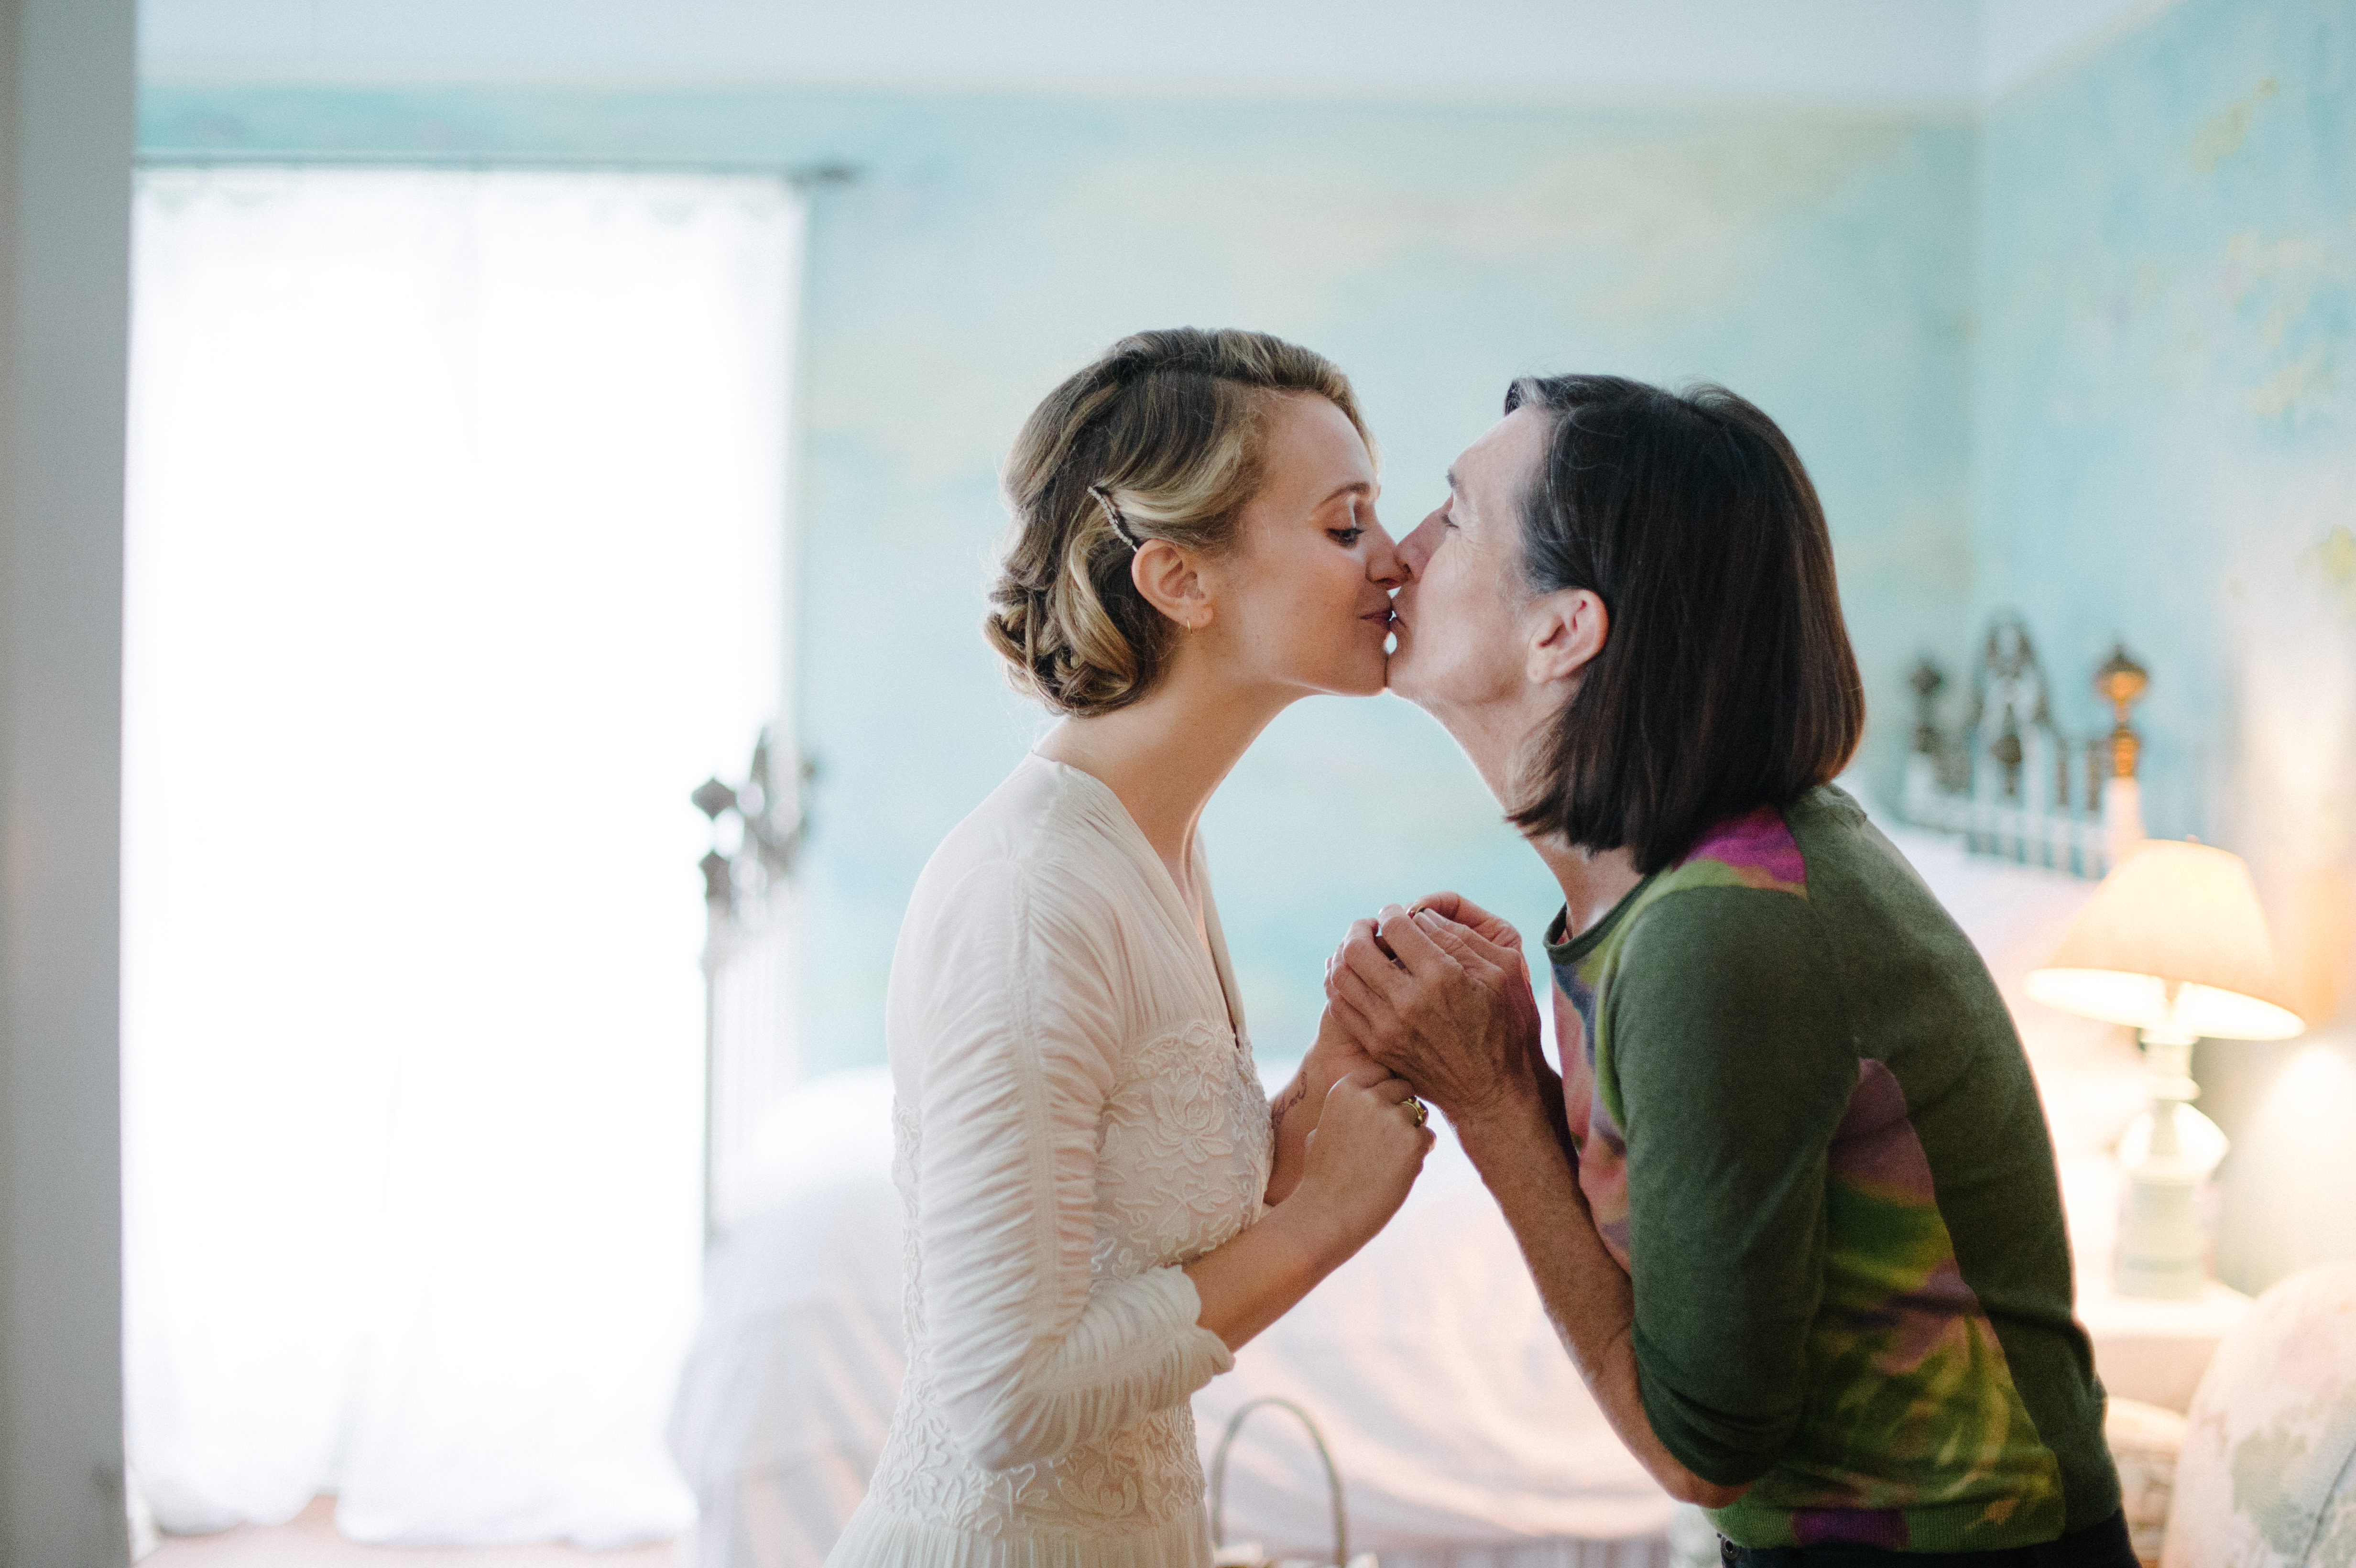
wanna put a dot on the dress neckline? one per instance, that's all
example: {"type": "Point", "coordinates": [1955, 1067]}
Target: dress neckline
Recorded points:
{"type": "Point", "coordinates": [1165, 886]}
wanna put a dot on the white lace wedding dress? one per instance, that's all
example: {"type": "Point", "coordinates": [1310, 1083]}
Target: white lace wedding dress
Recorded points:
{"type": "Point", "coordinates": [1077, 1115]}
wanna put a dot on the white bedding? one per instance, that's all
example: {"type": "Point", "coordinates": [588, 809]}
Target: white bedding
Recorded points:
{"type": "Point", "coordinates": [1461, 1433]}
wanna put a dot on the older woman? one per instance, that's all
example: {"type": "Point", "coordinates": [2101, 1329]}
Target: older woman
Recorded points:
{"type": "Point", "coordinates": [1791, 1203]}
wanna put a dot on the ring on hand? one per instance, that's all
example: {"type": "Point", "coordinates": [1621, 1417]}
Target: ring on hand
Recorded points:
{"type": "Point", "coordinates": [1421, 1115]}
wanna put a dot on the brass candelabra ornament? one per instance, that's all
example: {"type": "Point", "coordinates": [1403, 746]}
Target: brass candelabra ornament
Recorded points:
{"type": "Point", "coordinates": [2121, 682]}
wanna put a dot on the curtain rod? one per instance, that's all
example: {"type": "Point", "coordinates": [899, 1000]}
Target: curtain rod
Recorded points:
{"type": "Point", "coordinates": [808, 176]}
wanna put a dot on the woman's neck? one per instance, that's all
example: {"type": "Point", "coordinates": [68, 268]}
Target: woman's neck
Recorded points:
{"type": "Point", "coordinates": [1492, 738]}
{"type": "Point", "coordinates": [1165, 755]}
{"type": "Point", "coordinates": [1592, 884]}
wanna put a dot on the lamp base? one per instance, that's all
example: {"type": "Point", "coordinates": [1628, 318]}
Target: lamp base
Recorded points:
{"type": "Point", "coordinates": [2169, 1154]}
{"type": "Point", "coordinates": [2162, 1250]}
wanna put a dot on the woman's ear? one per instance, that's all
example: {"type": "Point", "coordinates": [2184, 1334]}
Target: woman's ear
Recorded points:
{"type": "Point", "coordinates": [1567, 631]}
{"type": "Point", "coordinates": [1166, 575]}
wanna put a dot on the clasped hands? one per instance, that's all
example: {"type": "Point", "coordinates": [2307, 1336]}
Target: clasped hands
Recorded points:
{"type": "Point", "coordinates": [1440, 994]}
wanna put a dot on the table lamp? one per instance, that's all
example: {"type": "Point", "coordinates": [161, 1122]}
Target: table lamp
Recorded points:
{"type": "Point", "coordinates": [2173, 944]}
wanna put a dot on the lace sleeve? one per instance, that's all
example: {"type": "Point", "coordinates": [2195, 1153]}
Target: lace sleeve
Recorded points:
{"type": "Point", "coordinates": [1021, 1044]}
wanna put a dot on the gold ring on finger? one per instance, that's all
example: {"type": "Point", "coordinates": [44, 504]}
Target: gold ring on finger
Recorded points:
{"type": "Point", "coordinates": [1416, 1105]}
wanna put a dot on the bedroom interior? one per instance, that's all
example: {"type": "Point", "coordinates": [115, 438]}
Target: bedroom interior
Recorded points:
{"type": "Point", "coordinates": [2055, 299]}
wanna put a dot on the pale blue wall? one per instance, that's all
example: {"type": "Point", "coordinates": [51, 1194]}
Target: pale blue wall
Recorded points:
{"type": "Point", "coordinates": [2165, 413]}
{"type": "Point", "coordinates": [2165, 449]}
{"type": "Point", "coordinates": [1818, 262]}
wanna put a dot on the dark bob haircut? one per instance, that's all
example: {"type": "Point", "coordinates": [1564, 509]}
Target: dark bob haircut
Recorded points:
{"type": "Point", "coordinates": [1726, 680]}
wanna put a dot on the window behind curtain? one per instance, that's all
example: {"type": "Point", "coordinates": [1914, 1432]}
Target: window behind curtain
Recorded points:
{"type": "Point", "coordinates": [455, 560]}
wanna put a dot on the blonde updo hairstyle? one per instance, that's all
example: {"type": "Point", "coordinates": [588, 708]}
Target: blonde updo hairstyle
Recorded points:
{"type": "Point", "coordinates": [1165, 437]}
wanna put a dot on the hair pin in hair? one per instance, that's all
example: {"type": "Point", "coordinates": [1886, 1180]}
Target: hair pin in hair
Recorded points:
{"type": "Point", "coordinates": [1112, 515]}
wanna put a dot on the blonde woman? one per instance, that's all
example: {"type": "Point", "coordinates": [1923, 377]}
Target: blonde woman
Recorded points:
{"type": "Point", "coordinates": [1102, 1206]}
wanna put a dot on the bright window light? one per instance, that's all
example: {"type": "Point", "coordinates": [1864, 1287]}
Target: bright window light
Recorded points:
{"type": "Point", "coordinates": [455, 560]}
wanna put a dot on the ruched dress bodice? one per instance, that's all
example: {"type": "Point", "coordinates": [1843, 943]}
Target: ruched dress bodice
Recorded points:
{"type": "Point", "coordinates": [1077, 1116]}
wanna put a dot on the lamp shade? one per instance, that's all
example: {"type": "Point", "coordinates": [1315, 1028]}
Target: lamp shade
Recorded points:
{"type": "Point", "coordinates": [2172, 941]}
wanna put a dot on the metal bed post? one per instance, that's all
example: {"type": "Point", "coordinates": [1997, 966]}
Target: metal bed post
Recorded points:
{"type": "Point", "coordinates": [748, 1007]}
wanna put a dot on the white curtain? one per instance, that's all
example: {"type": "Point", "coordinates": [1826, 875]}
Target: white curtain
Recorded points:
{"type": "Point", "coordinates": [455, 560]}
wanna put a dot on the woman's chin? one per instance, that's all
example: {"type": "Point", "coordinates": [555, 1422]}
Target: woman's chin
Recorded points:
{"type": "Point", "coordinates": [1399, 675]}
{"type": "Point", "coordinates": [1406, 684]}
{"type": "Point", "coordinates": [1361, 676]}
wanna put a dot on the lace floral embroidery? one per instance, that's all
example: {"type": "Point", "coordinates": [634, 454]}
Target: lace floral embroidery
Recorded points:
{"type": "Point", "coordinates": [1182, 1162]}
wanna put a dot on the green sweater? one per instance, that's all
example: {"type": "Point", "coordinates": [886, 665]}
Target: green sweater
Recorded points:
{"type": "Point", "coordinates": [1808, 1133]}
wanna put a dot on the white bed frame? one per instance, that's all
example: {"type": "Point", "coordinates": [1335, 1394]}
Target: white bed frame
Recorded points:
{"type": "Point", "coordinates": [2008, 781]}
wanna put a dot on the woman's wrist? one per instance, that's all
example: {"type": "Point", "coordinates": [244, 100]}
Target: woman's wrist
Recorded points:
{"type": "Point", "coordinates": [1312, 1228]}
{"type": "Point", "coordinates": [1330, 1059]}
{"type": "Point", "coordinates": [1507, 1125]}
